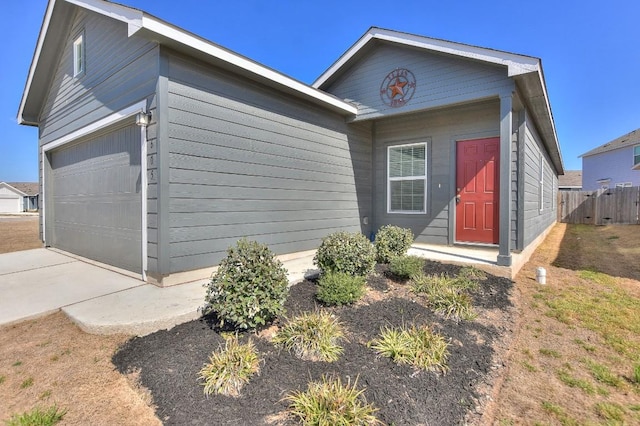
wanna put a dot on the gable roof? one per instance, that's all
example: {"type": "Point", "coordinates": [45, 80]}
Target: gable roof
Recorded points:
{"type": "Point", "coordinates": [12, 189]}
{"type": "Point", "coordinates": [525, 70]}
{"type": "Point", "coordinates": [55, 25]}
{"type": "Point", "coordinates": [570, 179]}
{"type": "Point", "coordinates": [27, 188]}
{"type": "Point", "coordinates": [630, 139]}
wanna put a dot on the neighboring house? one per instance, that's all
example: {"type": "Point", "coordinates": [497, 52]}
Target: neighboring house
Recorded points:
{"type": "Point", "coordinates": [159, 149]}
{"type": "Point", "coordinates": [613, 165]}
{"type": "Point", "coordinates": [570, 181]}
{"type": "Point", "coordinates": [17, 197]}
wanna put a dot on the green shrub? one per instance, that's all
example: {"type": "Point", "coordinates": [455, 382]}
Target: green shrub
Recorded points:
{"type": "Point", "coordinates": [230, 368]}
{"type": "Point", "coordinates": [329, 402]}
{"type": "Point", "coordinates": [338, 288]}
{"type": "Point", "coordinates": [351, 253]}
{"type": "Point", "coordinates": [446, 295]}
{"type": "Point", "coordinates": [392, 241]}
{"type": "Point", "coordinates": [406, 266]}
{"type": "Point", "coordinates": [37, 416]}
{"type": "Point", "coordinates": [249, 287]}
{"type": "Point", "coordinates": [416, 346]}
{"type": "Point", "coordinates": [313, 336]}
{"type": "Point", "coordinates": [472, 273]}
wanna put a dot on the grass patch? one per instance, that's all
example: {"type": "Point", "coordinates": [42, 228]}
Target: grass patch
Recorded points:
{"type": "Point", "coordinates": [574, 382]}
{"type": "Point", "coordinates": [447, 295]}
{"type": "Point", "coordinates": [530, 368]}
{"type": "Point", "coordinates": [330, 402]}
{"type": "Point", "coordinates": [38, 417]}
{"type": "Point", "coordinates": [602, 374]}
{"type": "Point", "coordinates": [2, 379]}
{"type": "Point", "coordinates": [313, 336]}
{"type": "Point", "coordinates": [550, 353]}
{"type": "Point", "coordinates": [230, 368]}
{"type": "Point", "coordinates": [559, 413]}
{"type": "Point", "coordinates": [26, 383]}
{"type": "Point", "coordinates": [17, 364]}
{"type": "Point", "coordinates": [602, 307]}
{"type": "Point", "coordinates": [610, 411]}
{"type": "Point", "coordinates": [635, 376]}
{"type": "Point", "coordinates": [416, 346]}
{"type": "Point", "coordinates": [472, 273]}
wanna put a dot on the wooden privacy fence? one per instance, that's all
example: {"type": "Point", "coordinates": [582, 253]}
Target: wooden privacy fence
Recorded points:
{"type": "Point", "coordinates": [601, 207]}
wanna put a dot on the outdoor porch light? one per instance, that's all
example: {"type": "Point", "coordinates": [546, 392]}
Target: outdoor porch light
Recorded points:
{"type": "Point", "coordinates": [365, 220]}
{"type": "Point", "coordinates": [143, 118]}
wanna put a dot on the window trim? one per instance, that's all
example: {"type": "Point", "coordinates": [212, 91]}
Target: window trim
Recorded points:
{"type": "Point", "coordinates": [624, 185]}
{"type": "Point", "coordinates": [636, 155]}
{"type": "Point", "coordinates": [541, 200]}
{"type": "Point", "coordinates": [79, 60]}
{"type": "Point", "coordinates": [416, 177]}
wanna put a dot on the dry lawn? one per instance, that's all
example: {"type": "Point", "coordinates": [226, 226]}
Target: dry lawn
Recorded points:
{"type": "Point", "coordinates": [578, 337]}
{"type": "Point", "coordinates": [571, 359]}
{"type": "Point", "coordinates": [19, 233]}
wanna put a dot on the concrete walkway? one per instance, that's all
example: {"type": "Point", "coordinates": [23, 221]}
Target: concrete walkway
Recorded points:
{"type": "Point", "coordinates": [41, 281]}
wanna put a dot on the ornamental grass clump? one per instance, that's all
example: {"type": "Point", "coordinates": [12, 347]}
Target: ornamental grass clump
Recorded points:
{"type": "Point", "coordinates": [230, 368]}
{"type": "Point", "coordinates": [446, 295]}
{"type": "Point", "coordinates": [405, 267]}
{"type": "Point", "coordinates": [330, 402]}
{"type": "Point", "coordinates": [312, 336]}
{"type": "Point", "coordinates": [339, 288]}
{"type": "Point", "coordinates": [249, 288]}
{"type": "Point", "coordinates": [349, 253]}
{"type": "Point", "coordinates": [392, 241]}
{"type": "Point", "coordinates": [416, 346]}
{"type": "Point", "coordinates": [38, 417]}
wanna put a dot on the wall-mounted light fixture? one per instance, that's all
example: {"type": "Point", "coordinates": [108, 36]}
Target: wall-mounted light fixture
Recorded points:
{"type": "Point", "coordinates": [365, 220]}
{"type": "Point", "coordinates": [143, 118]}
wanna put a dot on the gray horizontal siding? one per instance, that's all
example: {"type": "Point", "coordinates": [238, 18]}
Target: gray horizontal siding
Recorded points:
{"type": "Point", "coordinates": [535, 219]}
{"type": "Point", "coordinates": [440, 80]}
{"type": "Point", "coordinates": [119, 72]}
{"type": "Point", "coordinates": [440, 129]}
{"type": "Point", "coordinates": [246, 161]}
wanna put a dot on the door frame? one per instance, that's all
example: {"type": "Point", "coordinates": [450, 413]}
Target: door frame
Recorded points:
{"type": "Point", "coordinates": [110, 120]}
{"type": "Point", "coordinates": [452, 238]}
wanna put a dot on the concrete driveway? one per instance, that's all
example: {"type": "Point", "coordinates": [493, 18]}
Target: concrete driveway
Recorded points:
{"type": "Point", "coordinates": [37, 282]}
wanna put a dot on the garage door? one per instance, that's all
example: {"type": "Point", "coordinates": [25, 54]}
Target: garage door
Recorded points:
{"type": "Point", "coordinates": [10, 203]}
{"type": "Point", "coordinates": [93, 198]}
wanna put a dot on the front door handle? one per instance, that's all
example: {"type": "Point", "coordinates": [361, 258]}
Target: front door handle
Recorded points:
{"type": "Point", "coordinates": [457, 199]}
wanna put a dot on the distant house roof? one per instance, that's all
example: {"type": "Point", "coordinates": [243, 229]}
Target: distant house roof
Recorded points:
{"type": "Point", "coordinates": [27, 188]}
{"type": "Point", "coordinates": [570, 179]}
{"type": "Point", "coordinates": [630, 139]}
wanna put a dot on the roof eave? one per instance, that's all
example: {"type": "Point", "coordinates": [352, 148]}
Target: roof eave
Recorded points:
{"type": "Point", "coordinates": [516, 64]}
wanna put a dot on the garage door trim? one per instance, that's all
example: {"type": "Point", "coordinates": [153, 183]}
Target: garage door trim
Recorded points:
{"type": "Point", "coordinates": [135, 109]}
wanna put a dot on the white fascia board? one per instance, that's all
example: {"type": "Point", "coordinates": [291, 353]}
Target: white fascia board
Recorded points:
{"type": "Point", "coordinates": [132, 17]}
{"type": "Point", "coordinates": [34, 61]}
{"type": "Point", "coordinates": [97, 125]}
{"type": "Point", "coordinates": [173, 33]}
{"type": "Point", "coordinates": [516, 64]}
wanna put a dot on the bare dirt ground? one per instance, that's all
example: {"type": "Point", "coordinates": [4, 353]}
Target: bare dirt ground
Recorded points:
{"type": "Point", "coordinates": [49, 360]}
{"type": "Point", "coordinates": [18, 233]}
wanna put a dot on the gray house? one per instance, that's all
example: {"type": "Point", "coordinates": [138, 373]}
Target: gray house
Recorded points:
{"type": "Point", "coordinates": [159, 149]}
{"type": "Point", "coordinates": [616, 164]}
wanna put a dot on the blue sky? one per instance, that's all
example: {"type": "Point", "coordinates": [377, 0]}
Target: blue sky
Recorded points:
{"type": "Point", "coordinates": [590, 52]}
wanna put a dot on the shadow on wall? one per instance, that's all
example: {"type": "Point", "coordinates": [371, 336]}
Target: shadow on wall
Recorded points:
{"type": "Point", "coordinates": [612, 250]}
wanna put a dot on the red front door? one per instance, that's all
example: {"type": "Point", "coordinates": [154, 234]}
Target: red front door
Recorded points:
{"type": "Point", "coordinates": [477, 190]}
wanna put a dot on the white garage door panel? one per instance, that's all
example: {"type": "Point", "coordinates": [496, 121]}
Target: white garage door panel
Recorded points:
{"type": "Point", "coordinates": [95, 194]}
{"type": "Point", "coordinates": [10, 205]}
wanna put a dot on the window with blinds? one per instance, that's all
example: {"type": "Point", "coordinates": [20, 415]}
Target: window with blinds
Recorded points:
{"type": "Point", "coordinates": [407, 178]}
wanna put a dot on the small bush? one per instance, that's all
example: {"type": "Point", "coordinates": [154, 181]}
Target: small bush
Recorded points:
{"type": "Point", "coordinates": [230, 368]}
{"type": "Point", "coordinates": [312, 336]}
{"type": "Point", "coordinates": [416, 346]}
{"type": "Point", "coordinates": [472, 273]}
{"type": "Point", "coordinates": [338, 288]}
{"type": "Point", "coordinates": [350, 253]}
{"type": "Point", "coordinates": [249, 287]}
{"type": "Point", "coordinates": [38, 417]}
{"type": "Point", "coordinates": [329, 402]}
{"type": "Point", "coordinates": [392, 241]}
{"type": "Point", "coordinates": [406, 266]}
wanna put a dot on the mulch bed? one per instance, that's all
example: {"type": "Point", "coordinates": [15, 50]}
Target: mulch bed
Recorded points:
{"type": "Point", "coordinates": [169, 361]}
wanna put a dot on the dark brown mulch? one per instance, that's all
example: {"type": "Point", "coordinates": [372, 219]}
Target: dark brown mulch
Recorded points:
{"type": "Point", "coordinates": [169, 361]}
